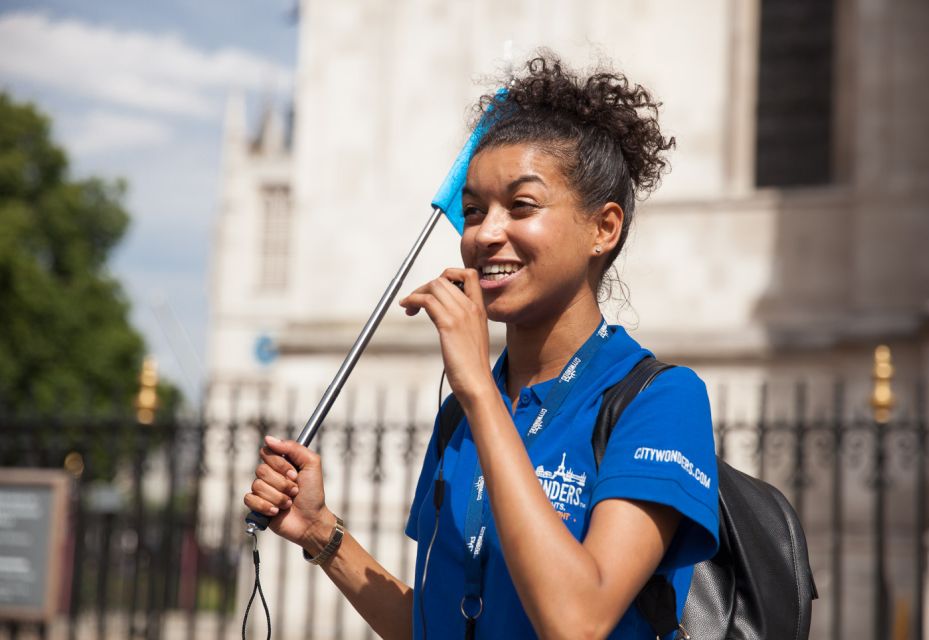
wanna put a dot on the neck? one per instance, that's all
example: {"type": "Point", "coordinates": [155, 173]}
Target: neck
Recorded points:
{"type": "Point", "coordinates": [539, 352]}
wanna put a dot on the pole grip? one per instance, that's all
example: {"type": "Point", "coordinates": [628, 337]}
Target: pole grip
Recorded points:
{"type": "Point", "coordinates": [257, 521]}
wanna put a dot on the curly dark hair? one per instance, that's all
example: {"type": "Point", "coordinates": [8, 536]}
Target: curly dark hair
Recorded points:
{"type": "Point", "coordinates": [603, 130]}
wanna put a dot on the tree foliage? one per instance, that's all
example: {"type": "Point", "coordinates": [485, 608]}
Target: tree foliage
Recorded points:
{"type": "Point", "coordinates": [66, 344]}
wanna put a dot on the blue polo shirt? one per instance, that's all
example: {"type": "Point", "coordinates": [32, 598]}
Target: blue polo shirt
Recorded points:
{"type": "Point", "coordinates": [660, 451]}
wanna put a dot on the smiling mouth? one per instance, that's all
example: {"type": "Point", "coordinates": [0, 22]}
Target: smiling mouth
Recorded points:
{"type": "Point", "coordinates": [494, 272]}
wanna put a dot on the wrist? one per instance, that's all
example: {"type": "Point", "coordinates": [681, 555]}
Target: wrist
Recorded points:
{"type": "Point", "coordinates": [318, 533]}
{"type": "Point", "coordinates": [481, 391]}
{"type": "Point", "coordinates": [331, 548]}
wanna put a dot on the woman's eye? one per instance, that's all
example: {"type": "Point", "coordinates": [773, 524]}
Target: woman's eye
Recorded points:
{"type": "Point", "coordinates": [523, 205]}
{"type": "Point", "coordinates": [472, 212]}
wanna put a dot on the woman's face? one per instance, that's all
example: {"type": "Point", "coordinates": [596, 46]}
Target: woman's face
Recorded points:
{"type": "Point", "coordinates": [525, 235]}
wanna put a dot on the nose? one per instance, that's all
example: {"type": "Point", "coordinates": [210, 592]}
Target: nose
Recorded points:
{"type": "Point", "coordinates": [492, 230]}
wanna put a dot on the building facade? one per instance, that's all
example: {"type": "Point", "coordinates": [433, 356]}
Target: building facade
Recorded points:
{"type": "Point", "coordinates": [788, 240]}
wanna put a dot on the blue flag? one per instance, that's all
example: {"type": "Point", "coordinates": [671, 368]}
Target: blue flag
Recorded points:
{"type": "Point", "coordinates": [448, 197]}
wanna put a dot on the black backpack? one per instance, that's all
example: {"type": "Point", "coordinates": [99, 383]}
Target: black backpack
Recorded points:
{"type": "Point", "coordinates": [758, 586]}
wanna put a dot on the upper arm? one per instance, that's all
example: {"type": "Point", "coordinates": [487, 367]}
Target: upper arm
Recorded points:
{"type": "Point", "coordinates": [626, 540]}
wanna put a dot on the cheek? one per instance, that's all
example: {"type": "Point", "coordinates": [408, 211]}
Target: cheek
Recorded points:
{"type": "Point", "coordinates": [550, 243]}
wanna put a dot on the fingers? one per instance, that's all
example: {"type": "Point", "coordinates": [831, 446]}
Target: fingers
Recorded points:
{"type": "Point", "coordinates": [278, 463]}
{"type": "Point", "coordinates": [298, 456]}
{"type": "Point", "coordinates": [442, 295]}
{"type": "Point", "coordinates": [266, 499]}
{"type": "Point", "coordinates": [472, 283]}
{"type": "Point", "coordinates": [282, 483]}
{"type": "Point", "coordinates": [260, 505]}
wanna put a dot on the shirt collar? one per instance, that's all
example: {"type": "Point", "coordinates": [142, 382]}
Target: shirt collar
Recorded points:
{"type": "Point", "coordinates": [618, 347]}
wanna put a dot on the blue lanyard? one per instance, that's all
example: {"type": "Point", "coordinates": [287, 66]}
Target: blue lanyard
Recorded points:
{"type": "Point", "coordinates": [477, 516]}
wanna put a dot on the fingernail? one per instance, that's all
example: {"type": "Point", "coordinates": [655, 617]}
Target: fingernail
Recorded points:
{"type": "Point", "coordinates": [270, 438]}
{"type": "Point", "coordinates": [291, 474]}
{"type": "Point", "coordinates": [295, 491]}
{"type": "Point", "coordinates": [288, 504]}
{"type": "Point", "coordinates": [274, 510]}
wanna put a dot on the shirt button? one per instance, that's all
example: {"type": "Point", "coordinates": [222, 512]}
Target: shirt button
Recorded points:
{"type": "Point", "coordinates": [523, 399]}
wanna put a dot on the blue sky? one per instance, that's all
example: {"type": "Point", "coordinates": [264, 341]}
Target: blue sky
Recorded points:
{"type": "Point", "coordinates": [138, 90]}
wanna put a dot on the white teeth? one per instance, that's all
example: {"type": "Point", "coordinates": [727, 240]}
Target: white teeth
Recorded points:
{"type": "Point", "coordinates": [505, 269]}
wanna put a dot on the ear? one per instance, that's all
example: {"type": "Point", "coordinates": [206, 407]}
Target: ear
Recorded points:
{"type": "Point", "coordinates": [609, 226]}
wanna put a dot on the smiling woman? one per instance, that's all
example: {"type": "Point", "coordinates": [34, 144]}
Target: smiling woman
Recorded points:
{"type": "Point", "coordinates": [520, 533]}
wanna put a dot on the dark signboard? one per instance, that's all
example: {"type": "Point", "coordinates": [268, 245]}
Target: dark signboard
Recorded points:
{"type": "Point", "coordinates": [32, 522]}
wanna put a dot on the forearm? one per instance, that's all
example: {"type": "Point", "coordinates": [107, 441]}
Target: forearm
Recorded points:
{"type": "Point", "coordinates": [383, 601]}
{"type": "Point", "coordinates": [551, 554]}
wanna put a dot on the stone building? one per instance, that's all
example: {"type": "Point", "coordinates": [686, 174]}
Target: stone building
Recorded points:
{"type": "Point", "coordinates": [788, 241]}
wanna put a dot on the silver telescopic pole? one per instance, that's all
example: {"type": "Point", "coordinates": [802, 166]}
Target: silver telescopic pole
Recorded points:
{"type": "Point", "coordinates": [332, 392]}
{"type": "Point", "coordinates": [255, 521]}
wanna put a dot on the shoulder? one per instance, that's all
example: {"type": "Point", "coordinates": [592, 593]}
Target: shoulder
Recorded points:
{"type": "Point", "coordinates": [678, 384]}
{"type": "Point", "coordinates": [676, 389]}
{"type": "Point", "coordinates": [674, 408]}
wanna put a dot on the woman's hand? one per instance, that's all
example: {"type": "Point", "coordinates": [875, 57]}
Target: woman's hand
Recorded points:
{"type": "Point", "coordinates": [461, 320]}
{"type": "Point", "coordinates": [290, 491]}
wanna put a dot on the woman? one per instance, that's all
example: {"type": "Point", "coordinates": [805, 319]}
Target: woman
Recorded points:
{"type": "Point", "coordinates": [530, 537]}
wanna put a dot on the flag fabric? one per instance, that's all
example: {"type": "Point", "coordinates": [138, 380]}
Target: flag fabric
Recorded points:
{"type": "Point", "coordinates": [448, 197]}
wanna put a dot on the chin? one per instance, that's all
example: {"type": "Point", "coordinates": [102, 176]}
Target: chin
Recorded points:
{"type": "Point", "coordinates": [511, 315]}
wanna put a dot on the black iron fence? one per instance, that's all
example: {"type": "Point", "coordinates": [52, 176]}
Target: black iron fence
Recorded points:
{"type": "Point", "coordinates": [155, 544]}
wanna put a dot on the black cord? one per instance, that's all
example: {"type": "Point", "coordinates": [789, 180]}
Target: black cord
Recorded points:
{"type": "Point", "coordinates": [437, 499]}
{"type": "Point", "coordinates": [256, 589]}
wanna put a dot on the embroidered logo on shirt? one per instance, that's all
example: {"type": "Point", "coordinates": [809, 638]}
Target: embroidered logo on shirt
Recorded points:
{"type": "Point", "coordinates": [602, 331]}
{"type": "Point", "coordinates": [563, 487]}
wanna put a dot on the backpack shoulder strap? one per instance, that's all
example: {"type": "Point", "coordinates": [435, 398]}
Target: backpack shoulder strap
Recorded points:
{"type": "Point", "coordinates": [618, 397]}
{"type": "Point", "coordinates": [450, 416]}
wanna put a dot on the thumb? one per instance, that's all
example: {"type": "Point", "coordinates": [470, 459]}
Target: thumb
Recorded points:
{"type": "Point", "coordinates": [296, 453]}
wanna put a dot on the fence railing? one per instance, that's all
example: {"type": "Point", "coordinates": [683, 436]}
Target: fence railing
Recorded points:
{"type": "Point", "coordinates": [155, 545]}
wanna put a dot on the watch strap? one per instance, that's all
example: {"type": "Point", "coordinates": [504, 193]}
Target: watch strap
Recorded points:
{"type": "Point", "coordinates": [335, 540]}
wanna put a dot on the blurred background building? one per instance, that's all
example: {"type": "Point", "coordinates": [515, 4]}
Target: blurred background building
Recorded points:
{"type": "Point", "coordinates": [789, 234]}
{"type": "Point", "coordinates": [787, 242]}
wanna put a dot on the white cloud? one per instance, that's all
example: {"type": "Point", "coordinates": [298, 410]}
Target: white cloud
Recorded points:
{"type": "Point", "coordinates": [102, 131]}
{"type": "Point", "coordinates": [159, 72]}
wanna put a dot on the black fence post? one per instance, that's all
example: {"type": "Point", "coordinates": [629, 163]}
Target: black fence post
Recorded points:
{"type": "Point", "coordinates": [191, 541]}
{"type": "Point", "coordinates": [762, 428]}
{"type": "Point", "coordinates": [878, 485]}
{"type": "Point", "coordinates": [77, 561]}
{"type": "Point", "coordinates": [837, 510]}
{"type": "Point", "coordinates": [228, 556]}
{"type": "Point", "coordinates": [798, 481]}
{"type": "Point", "coordinates": [106, 522]}
{"type": "Point", "coordinates": [920, 524]}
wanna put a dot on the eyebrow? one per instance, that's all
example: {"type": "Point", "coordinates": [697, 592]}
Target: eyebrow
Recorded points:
{"type": "Point", "coordinates": [521, 180]}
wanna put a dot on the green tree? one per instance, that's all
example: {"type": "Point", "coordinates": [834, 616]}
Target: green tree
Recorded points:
{"type": "Point", "coordinates": [66, 345]}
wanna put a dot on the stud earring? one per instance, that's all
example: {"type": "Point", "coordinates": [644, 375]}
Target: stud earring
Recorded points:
{"type": "Point", "coordinates": [598, 249]}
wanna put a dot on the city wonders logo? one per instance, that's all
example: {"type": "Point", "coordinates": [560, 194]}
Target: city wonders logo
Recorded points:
{"type": "Point", "coordinates": [564, 488]}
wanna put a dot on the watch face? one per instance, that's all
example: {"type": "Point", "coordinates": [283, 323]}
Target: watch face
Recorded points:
{"type": "Point", "coordinates": [265, 349]}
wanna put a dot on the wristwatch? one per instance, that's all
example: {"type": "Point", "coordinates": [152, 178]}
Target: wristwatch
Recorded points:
{"type": "Point", "coordinates": [335, 539]}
